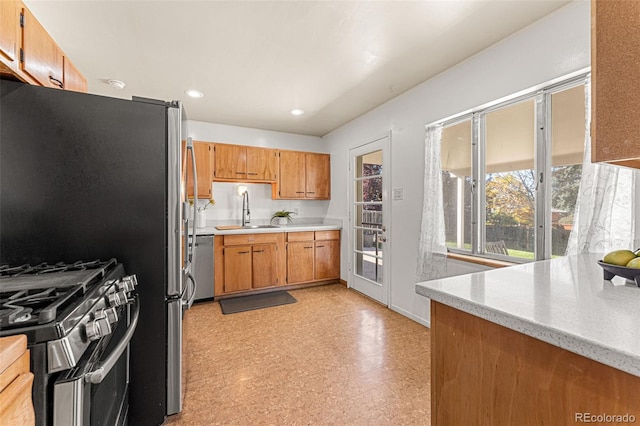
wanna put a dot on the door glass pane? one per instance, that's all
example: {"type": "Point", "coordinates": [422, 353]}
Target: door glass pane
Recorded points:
{"type": "Point", "coordinates": [368, 216]}
{"type": "Point", "coordinates": [567, 151]}
{"type": "Point", "coordinates": [456, 184]}
{"type": "Point", "coordinates": [510, 181]}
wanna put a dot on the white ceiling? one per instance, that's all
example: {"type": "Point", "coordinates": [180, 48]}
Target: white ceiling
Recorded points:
{"type": "Point", "coordinates": [256, 60]}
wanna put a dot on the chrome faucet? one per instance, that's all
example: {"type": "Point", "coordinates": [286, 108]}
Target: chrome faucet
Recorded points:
{"type": "Point", "coordinates": [246, 217]}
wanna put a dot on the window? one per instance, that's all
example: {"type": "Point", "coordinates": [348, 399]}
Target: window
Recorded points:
{"type": "Point", "coordinates": [511, 172]}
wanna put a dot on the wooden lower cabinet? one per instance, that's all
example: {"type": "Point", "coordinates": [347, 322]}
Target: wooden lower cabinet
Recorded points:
{"type": "Point", "coordinates": [313, 256]}
{"type": "Point", "coordinates": [300, 261]}
{"type": "Point", "coordinates": [264, 265]}
{"type": "Point", "coordinates": [253, 262]}
{"type": "Point", "coordinates": [248, 262]}
{"type": "Point", "coordinates": [16, 381]}
{"type": "Point", "coordinates": [485, 374]}
{"type": "Point", "coordinates": [238, 274]}
{"type": "Point", "coordinates": [327, 259]}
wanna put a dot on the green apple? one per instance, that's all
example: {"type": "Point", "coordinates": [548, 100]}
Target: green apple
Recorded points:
{"type": "Point", "coordinates": [619, 257]}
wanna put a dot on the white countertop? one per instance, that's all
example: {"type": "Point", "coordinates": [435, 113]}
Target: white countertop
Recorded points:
{"type": "Point", "coordinates": [564, 301]}
{"type": "Point", "coordinates": [296, 226]}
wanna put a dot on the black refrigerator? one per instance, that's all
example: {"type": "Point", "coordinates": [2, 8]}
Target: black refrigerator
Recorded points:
{"type": "Point", "coordinates": [91, 177]}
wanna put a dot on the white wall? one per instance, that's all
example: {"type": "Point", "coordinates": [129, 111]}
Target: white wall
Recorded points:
{"type": "Point", "coordinates": [555, 46]}
{"type": "Point", "coordinates": [228, 204]}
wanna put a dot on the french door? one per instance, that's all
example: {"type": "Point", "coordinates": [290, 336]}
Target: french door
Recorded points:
{"type": "Point", "coordinates": [369, 219]}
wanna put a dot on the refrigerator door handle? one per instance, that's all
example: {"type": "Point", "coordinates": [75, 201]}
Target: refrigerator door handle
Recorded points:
{"type": "Point", "coordinates": [190, 291]}
{"type": "Point", "coordinates": [195, 199]}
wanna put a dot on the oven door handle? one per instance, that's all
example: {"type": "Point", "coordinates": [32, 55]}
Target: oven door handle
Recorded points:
{"type": "Point", "coordinates": [104, 367]}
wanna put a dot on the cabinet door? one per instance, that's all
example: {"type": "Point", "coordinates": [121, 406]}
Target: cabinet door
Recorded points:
{"type": "Point", "coordinates": [203, 153]}
{"type": "Point", "coordinates": [327, 257]}
{"type": "Point", "coordinates": [292, 175]}
{"type": "Point", "coordinates": [318, 180]}
{"type": "Point", "coordinates": [73, 79]}
{"type": "Point", "coordinates": [237, 268]}
{"type": "Point", "coordinates": [300, 262]}
{"type": "Point", "coordinates": [42, 56]}
{"type": "Point", "coordinates": [615, 102]}
{"type": "Point", "coordinates": [262, 164]}
{"type": "Point", "coordinates": [265, 271]}
{"type": "Point", "coordinates": [8, 31]}
{"type": "Point", "coordinates": [231, 162]}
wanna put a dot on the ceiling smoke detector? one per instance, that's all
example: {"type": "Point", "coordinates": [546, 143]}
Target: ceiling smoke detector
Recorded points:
{"type": "Point", "coordinates": [116, 84]}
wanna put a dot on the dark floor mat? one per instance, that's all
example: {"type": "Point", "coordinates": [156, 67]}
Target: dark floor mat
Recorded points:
{"type": "Point", "coordinates": [256, 301]}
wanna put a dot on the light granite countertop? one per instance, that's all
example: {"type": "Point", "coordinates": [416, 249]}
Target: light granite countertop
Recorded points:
{"type": "Point", "coordinates": [298, 225]}
{"type": "Point", "coordinates": [564, 301]}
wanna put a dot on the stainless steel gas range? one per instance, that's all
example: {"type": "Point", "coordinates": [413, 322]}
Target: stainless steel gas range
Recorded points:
{"type": "Point", "coordinates": [78, 319]}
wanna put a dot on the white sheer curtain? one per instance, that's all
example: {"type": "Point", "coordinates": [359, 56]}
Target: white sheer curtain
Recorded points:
{"type": "Point", "coordinates": [604, 219]}
{"type": "Point", "coordinates": [432, 248]}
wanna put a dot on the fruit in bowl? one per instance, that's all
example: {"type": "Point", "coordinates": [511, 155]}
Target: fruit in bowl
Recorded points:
{"type": "Point", "coordinates": [619, 257]}
{"type": "Point", "coordinates": [624, 263]}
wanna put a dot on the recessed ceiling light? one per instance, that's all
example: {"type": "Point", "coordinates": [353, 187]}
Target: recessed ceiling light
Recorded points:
{"type": "Point", "coordinates": [194, 93]}
{"type": "Point", "coordinates": [297, 111]}
{"type": "Point", "coordinates": [116, 84]}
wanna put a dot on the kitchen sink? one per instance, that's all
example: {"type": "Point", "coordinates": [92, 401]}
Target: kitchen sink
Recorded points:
{"type": "Point", "coordinates": [259, 226]}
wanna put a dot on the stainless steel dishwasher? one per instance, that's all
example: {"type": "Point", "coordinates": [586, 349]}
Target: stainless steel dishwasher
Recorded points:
{"type": "Point", "coordinates": [204, 267]}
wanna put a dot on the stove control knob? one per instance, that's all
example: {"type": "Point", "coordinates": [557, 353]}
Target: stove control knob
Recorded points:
{"type": "Point", "coordinates": [118, 298]}
{"type": "Point", "coordinates": [128, 283]}
{"type": "Point", "coordinates": [99, 327]}
{"type": "Point", "coordinates": [110, 313]}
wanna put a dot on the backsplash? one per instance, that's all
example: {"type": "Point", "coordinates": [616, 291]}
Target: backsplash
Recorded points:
{"type": "Point", "coordinates": [228, 205]}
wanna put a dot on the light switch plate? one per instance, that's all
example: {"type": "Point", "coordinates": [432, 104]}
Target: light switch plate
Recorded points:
{"type": "Point", "coordinates": [398, 194]}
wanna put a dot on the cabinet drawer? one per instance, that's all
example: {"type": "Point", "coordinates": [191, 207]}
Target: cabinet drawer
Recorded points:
{"type": "Point", "coordinates": [233, 240]}
{"type": "Point", "coordinates": [300, 236]}
{"type": "Point", "coordinates": [327, 235]}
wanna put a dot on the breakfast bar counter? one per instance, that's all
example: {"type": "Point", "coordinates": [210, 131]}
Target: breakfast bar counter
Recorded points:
{"type": "Point", "coordinates": [547, 342]}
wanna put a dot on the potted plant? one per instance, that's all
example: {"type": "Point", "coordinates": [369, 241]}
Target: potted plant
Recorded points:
{"type": "Point", "coordinates": [283, 216]}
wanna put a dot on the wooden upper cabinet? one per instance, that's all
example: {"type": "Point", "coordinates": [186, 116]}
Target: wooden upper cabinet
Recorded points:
{"type": "Point", "coordinates": [292, 175]}
{"type": "Point", "coordinates": [231, 161]}
{"type": "Point", "coordinates": [262, 164]}
{"type": "Point", "coordinates": [72, 78]}
{"type": "Point", "coordinates": [9, 32]}
{"type": "Point", "coordinates": [615, 66]}
{"type": "Point", "coordinates": [204, 163]}
{"type": "Point", "coordinates": [304, 175]}
{"type": "Point", "coordinates": [42, 59]}
{"type": "Point", "coordinates": [318, 180]}
{"type": "Point", "coordinates": [245, 163]}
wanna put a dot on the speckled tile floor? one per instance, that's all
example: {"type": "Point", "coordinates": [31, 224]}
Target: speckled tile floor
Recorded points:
{"type": "Point", "coordinates": [333, 358]}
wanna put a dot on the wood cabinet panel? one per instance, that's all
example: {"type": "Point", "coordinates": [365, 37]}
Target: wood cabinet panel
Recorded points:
{"type": "Point", "coordinates": [327, 259]}
{"type": "Point", "coordinates": [262, 164]}
{"type": "Point", "coordinates": [502, 377]}
{"type": "Point", "coordinates": [292, 175]}
{"type": "Point", "coordinates": [238, 272]}
{"type": "Point", "coordinates": [300, 259]}
{"type": "Point", "coordinates": [16, 406]}
{"type": "Point", "coordinates": [9, 32]}
{"type": "Point", "coordinates": [615, 94]}
{"type": "Point", "coordinates": [204, 163]}
{"type": "Point", "coordinates": [265, 270]}
{"type": "Point", "coordinates": [300, 236]}
{"type": "Point", "coordinates": [318, 179]}
{"type": "Point", "coordinates": [43, 59]}
{"type": "Point", "coordinates": [327, 235]}
{"type": "Point", "coordinates": [73, 79]}
{"type": "Point", "coordinates": [231, 161]}
{"type": "Point", "coordinates": [245, 239]}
